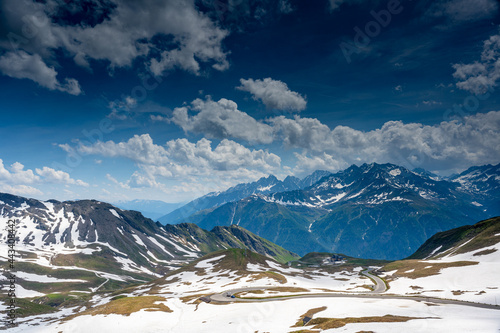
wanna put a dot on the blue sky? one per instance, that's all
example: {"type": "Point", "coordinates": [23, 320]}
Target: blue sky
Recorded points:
{"type": "Point", "coordinates": [169, 100]}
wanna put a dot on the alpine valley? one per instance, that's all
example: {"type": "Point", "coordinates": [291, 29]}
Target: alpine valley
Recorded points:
{"type": "Point", "coordinates": [368, 211]}
{"type": "Point", "coordinates": [374, 248]}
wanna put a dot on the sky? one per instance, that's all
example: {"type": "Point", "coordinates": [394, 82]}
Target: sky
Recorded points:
{"type": "Point", "coordinates": [168, 100]}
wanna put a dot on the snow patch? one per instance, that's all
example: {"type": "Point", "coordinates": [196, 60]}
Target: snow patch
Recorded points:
{"type": "Point", "coordinates": [115, 213]}
{"type": "Point", "coordinates": [206, 263]}
{"type": "Point", "coordinates": [395, 172]}
{"type": "Point", "coordinates": [45, 278]}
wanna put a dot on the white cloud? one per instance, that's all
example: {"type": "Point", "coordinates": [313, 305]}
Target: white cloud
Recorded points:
{"type": "Point", "coordinates": [19, 189]}
{"type": "Point", "coordinates": [481, 76]}
{"type": "Point", "coordinates": [17, 180]}
{"type": "Point", "coordinates": [139, 149]}
{"type": "Point", "coordinates": [57, 176]}
{"type": "Point", "coordinates": [446, 146]}
{"type": "Point", "coordinates": [398, 88]}
{"type": "Point", "coordinates": [307, 133]}
{"type": "Point", "coordinates": [181, 158]}
{"type": "Point", "coordinates": [129, 30]}
{"type": "Point", "coordinates": [221, 119]}
{"type": "Point", "coordinates": [274, 94]}
{"type": "Point", "coordinates": [17, 174]}
{"type": "Point", "coordinates": [21, 65]}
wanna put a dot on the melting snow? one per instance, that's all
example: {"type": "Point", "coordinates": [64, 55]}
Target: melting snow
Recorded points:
{"type": "Point", "coordinates": [435, 250]}
{"type": "Point", "coordinates": [395, 172]}
{"type": "Point", "coordinates": [265, 188]}
{"type": "Point", "coordinates": [206, 263]}
{"type": "Point", "coordinates": [44, 278]}
{"type": "Point", "coordinates": [115, 213]}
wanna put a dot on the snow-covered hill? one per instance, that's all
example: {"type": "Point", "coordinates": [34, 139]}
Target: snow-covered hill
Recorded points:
{"type": "Point", "coordinates": [175, 303]}
{"type": "Point", "coordinates": [462, 263]}
{"type": "Point", "coordinates": [87, 245]}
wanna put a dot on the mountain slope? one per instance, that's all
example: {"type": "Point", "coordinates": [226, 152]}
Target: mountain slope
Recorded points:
{"type": "Point", "coordinates": [372, 211]}
{"type": "Point", "coordinates": [272, 221]}
{"type": "Point", "coordinates": [462, 263]}
{"type": "Point", "coordinates": [64, 232]}
{"type": "Point", "coordinates": [460, 240]}
{"type": "Point", "coordinates": [90, 245]}
{"type": "Point", "coordinates": [265, 185]}
{"type": "Point", "coordinates": [229, 237]}
{"type": "Point", "coordinates": [482, 183]}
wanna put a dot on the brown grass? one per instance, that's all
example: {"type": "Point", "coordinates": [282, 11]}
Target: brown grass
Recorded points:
{"type": "Point", "coordinates": [272, 275]}
{"type": "Point", "coordinates": [310, 313]}
{"type": "Point", "coordinates": [126, 306]}
{"type": "Point", "coordinates": [246, 293]}
{"type": "Point", "coordinates": [328, 323]}
{"type": "Point", "coordinates": [195, 298]}
{"type": "Point", "coordinates": [419, 267]}
{"type": "Point", "coordinates": [485, 252]}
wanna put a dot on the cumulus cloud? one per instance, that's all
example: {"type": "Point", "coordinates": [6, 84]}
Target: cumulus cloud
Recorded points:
{"type": "Point", "coordinates": [21, 65]}
{"type": "Point", "coordinates": [19, 189]}
{"type": "Point", "coordinates": [17, 180]}
{"type": "Point", "coordinates": [138, 148]}
{"type": "Point", "coordinates": [17, 174]}
{"type": "Point", "coordinates": [182, 158]}
{"type": "Point", "coordinates": [481, 76]}
{"type": "Point", "coordinates": [274, 94]}
{"type": "Point", "coordinates": [449, 145]}
{"type": "Point", "coordinates": [446, 146]}
{"type": "Point", "coordinates": [57, 176]}
{"type": "Point", "coordinates": [220, 120]}
{"type": "Point", "coordinates": [164, 34]}
{"type": "Point", "coordinates": [129, 31]}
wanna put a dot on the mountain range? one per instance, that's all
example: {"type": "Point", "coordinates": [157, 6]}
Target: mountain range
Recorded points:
{"type": "Point", "coordinates": [265, 185]}
{"type": "Point", "coordinates": [381, 211]}
{"type": "Point", "coordinates": [106, 247]}
{"type": "Point", "coordinates": [450, 283]}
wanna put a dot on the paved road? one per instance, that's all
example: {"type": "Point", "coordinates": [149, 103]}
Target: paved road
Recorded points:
{"type": "Point", "coordinates": [376, 293]}
{"type": "Point", "coordinates": [380, 286]}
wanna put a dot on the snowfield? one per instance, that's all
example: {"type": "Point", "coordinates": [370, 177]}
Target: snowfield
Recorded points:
{"type": "Point", "coordinates": [478, 283]}
{"type": "Point", "coordinates": [278, 317]}
{"type": "Point", "coordinates": [180, 291]}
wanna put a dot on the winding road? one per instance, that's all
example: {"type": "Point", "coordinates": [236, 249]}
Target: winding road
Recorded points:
{"type": "Point", "coordinates": [377, 293]}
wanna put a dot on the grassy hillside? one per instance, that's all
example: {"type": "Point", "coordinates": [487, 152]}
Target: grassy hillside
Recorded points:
{"type": "Point", "coordinates": [480, 235]}
{"type": "Point", "coordinates": [233, 236]}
